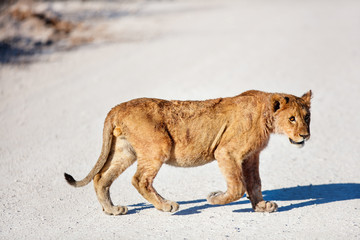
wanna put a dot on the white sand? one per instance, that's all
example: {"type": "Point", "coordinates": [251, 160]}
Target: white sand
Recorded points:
{"type": "Point", "coordinates": [52, 111]}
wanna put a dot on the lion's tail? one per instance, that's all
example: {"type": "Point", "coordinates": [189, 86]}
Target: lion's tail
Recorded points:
{"type": "Point", "coordinates": [107, 139]}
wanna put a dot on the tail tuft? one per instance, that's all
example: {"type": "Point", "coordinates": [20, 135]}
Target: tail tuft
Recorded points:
{"type": "Point", "coordinates": [70, 179]}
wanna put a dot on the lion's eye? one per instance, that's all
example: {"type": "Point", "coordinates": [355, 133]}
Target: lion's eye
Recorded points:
{"type": "Point", "coordinates": [307, 117]}
{"type": "Point", "coordinates": [292, 119]}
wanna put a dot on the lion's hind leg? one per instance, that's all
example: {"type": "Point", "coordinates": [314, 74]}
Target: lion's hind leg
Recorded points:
{"type": "Point", "coordinates": [143, 182]}
{"type": "Point", "coordinates": [153, 148]}
{"type": "Point", "coordinates": [120, 158]}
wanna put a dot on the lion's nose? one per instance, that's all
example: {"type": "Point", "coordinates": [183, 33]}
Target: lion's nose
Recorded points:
{"type": "Point", "coordinates": [304, 136]}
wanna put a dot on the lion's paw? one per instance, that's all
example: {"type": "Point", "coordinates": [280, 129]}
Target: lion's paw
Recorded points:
{"type": "Point", "coordinates": [169, 206]}
{"type": "Point", "coordinates": [116, 210]}
{"type": "Point", "coordinates": [265, 206]}
{"type": "Point", "coordinates": [215, 198]}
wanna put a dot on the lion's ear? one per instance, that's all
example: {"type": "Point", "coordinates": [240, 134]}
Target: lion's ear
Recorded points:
{"type": "Point", "coordinates": [307, 98]}
{"type": "Point", "coordinates": [278, 101]}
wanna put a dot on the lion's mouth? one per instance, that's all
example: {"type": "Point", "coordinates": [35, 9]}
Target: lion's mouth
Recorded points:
{"type": "Point", "coordinates": [299, 144]}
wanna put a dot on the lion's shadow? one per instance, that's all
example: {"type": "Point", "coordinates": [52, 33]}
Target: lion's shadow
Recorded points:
{"type": "Point", "coordinates": [308, 195]}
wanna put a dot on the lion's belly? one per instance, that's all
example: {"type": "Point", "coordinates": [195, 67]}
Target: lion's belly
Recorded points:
{"type": "Point", "coordinates": [188, 162]}
{"type": "Point", "coordinates": [190, 156]}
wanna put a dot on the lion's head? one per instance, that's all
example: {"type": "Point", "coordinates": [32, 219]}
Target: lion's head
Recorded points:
{"type": "Point", "coordinates": [292, 116]}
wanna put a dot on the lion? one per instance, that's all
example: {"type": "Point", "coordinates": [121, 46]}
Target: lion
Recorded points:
{"type": "Point", "coordinates": [233, 131]}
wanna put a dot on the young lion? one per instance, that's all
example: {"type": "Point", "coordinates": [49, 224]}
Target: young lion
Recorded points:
{"type": "Point", "coordinates": [231, 130]}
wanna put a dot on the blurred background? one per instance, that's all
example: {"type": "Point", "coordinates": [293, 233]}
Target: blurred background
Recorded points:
{"type": "Point", "coordinates": [30, 27]}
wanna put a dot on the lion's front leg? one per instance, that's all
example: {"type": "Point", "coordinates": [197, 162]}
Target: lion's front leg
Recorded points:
{"type": "Point", "coordinates": [253, 185]}
{"type": "Point", "coordinates": [234, 180]}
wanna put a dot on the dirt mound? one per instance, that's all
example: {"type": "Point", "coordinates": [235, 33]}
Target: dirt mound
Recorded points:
{"type": "Point", "coordinates": [31, 27]}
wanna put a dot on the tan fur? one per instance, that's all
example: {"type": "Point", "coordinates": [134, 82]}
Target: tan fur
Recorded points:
{"type": "Point", "coordinates": [192, 133]}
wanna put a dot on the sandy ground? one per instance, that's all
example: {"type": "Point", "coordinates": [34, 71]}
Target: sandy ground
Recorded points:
{"type": "Point", "coordinates": [52, 111]}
